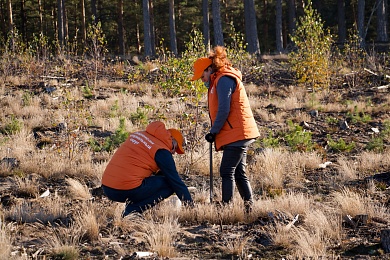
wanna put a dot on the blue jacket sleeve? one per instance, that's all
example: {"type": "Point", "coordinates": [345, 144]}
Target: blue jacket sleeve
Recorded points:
{"type": "Point", "coordinates": [165, 162]}
{"type": "Point", "coordinates": [225, 88]}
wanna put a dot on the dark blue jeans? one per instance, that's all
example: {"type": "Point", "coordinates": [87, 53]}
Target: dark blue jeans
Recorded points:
{"type": "Point", "coordinates": [232, 170]}
{"type": "Point", "coordinates": [152, 190]}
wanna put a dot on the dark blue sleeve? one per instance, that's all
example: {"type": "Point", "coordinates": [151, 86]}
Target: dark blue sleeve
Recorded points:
{"type": "Point", "coordinates": [165, 162]}
{"type": "Point", "coordinates": [225, 88]}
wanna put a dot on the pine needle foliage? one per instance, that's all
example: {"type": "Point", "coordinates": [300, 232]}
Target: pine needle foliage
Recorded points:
{"type": "Point", "coordinates": [311, 61]}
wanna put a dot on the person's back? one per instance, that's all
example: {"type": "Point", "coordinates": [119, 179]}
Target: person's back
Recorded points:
{"type": "Point", "coordinates": [134, 159]}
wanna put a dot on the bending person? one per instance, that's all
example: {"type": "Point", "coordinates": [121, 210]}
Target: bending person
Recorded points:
{"type": "Point", "coordinates": [142, 172]}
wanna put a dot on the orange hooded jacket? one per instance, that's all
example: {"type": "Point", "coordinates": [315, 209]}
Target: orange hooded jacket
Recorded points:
{"type": "Point", "coordinates": [240, 124]}
{"type": "Point", "coordinates": [134, 159]}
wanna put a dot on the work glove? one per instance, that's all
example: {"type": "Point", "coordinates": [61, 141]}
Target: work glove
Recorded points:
{"type": "Point", "coordinates": [210, 137]}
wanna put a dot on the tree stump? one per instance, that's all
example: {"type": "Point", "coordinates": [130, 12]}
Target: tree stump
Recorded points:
{"type": "Point", "coordinates": [385, 240]}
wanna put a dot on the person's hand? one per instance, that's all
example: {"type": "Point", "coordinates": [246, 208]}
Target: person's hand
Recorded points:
{"type": "Point", "coordinates": [210, 137]}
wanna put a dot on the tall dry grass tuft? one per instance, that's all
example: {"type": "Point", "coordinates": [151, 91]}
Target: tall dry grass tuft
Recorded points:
{"type": "Point", "coordinates": [63, 242]}
{"type": "Point", "coordinates": [349, 202]}
{"type": "Point", "coordinates": [236, 247]}
{"type": "Point", "coordinates": [371, 161]}
{"type": "Point", "coordinates": [347, 169]}
{"type": "Point", "coordinates": [309, 244]}
{"type": "Point", "coordinates": [159, 234]}
{"type": "Point", "coordinates": [274, 168]}
{"type": "Point", "coordinates": [87, 222]}
{"type": "Point", "coordinates": [44, 210]}
{"type": "Point", "coordinates": [279, 235]}
{"type": "Point", "coordinates": [78, 190]}
{"type": "Point", "coordinates": [299, 162]}
{"type": "Point", "coordinates": [231, 213]}
{"type": "Point", "coordinates": [27, 187]}
{"type": "Point", "coordinates": [269, 168]}
{"type": "Point", "coordinates": [5, 241]}
{"type": "Point", "coordinates": [294, 203]}
{"type": "Point", "coordinates": [327, 224]}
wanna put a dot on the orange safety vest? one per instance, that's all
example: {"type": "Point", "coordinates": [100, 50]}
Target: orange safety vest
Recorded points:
{"type": "Point", "coordinates": [134, 159]}
{"type": "Point", "coordinates": [240, 124]}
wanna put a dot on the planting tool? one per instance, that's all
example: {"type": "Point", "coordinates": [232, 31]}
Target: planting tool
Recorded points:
{"type": "Point", "coordinates": [211, 172]}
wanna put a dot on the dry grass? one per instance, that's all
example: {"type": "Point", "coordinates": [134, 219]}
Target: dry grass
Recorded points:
{"type": "Point", "coordinates": [326, 224]}
{"type": "Point", "coordinates": [370, 161]}
{"type": "Point", "coordinates": [5, 241]}
{"type": "Point", "coordinates": [78, 190]}
{"type": "Point", "coordinates": [159, 234]}
{"type": "Point", "coordinates": [27, 187]}
{"type": "Point", "coordinates": [279, 235]}
{"type": "Point", "coordinates": [309, 244]}
{"type": "Point", "coordinates": [350, 202]}
{"type": "Point", "coordinates": [44, 210]}
{"type": "Point", "coordinates": [269, 168]}
{"type": "Point", "coordinates": [273, 167]}
{"type": "Point", "coordinates": [347, 169]}
{"type": "Point", "coordinates": [63, 242]}
{"type": "Point", "coordinates": [236, 246]}
{"type": "Point", "coordinates": [87, 222]}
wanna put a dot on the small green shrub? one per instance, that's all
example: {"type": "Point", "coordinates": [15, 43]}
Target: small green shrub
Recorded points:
{"type": "Point", "coordinates": [27, 98]}
{"type": "Point", "coordinates": [375, 144]}
{"type": "Point", "coordinates": [141, 116]}
{"type": "Point", "coordinates": [12, 127]}
{"type": "Point", "coordinates": [340, 145]}
{"type": "Point", "coordinates": [111, 142]}
{"type": "Point", "coordinates": [87, 92]}
{"type": "Point", "coordinates": [298, 139]}
{"type": "Point", "coordinates": [270, 141]}
{"type": "Point", "coordinates": [114, 109]}
{"type": "Point", "coordinates": [359, 117]}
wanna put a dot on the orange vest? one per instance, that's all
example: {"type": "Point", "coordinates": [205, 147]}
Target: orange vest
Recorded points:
{"type": "Point", "coordinates": [134, 159]}
{"type": "Point", "coordinates": [240, 124]}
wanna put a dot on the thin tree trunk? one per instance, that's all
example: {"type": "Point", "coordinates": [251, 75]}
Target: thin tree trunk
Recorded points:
{"type": "Point", "coordinates": [121, 34]}
{"type": "Point", "coordinates": [10, 25]}
{"type": "Point", "coordinates": [342, 30]}
{"type": "Point", "coordinates": [279, 27]}
{"type": "Point", "coordinates": [23, 20]}
{"type": "Point", "coordinates": [206, 24]}
{"type": "Point", "coordinates": [152, 31]}
{"type": "Point", "coordinates": [382, 16]}
{"type": "Point", "coordinates": [360, 22]}
{"type": "Point", "coordinates": [10, 16]}
{"type": "Point", "coordinates": [65, 23]}
{"type": "Point", "coordinates": [217, 24]}
{"type": "Point", "coordinates": [40, 10]}
{"type": "Point", "coordinates": [147, 39]}
{"type": "Point", "coordinates": [60, 22]}
{"type": "Point", "coordinates": [172, 28]}
{"type": "Point", "coordinates": [137, 29]}
{"type": "Point", "coordinates": [251, 27]}
{"type": "Point", "coordinates": [292, 18]}
{"type": "Point", "coordinates": [83, 23]}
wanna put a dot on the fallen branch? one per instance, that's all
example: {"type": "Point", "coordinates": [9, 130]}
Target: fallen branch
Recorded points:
{"type": "Point", "coordinates": [292, 222]}
{"type": "Point", "coordinates": [381, 87]}
{"type": "Point", "coordinates": [371, 72]}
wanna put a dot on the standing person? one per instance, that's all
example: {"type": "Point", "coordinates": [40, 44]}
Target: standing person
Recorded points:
{"type": "Point", "coordinates": [131, 175]}
{"type": "Point", "coordinates": [233, 127]}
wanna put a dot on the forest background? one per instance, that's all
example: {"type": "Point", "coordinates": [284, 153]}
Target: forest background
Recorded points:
{"type": "Point", "coordinates": [147, 27]}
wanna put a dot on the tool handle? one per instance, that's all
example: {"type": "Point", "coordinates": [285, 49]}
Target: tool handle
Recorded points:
{"type": "Point", "coordinates": [211, 173]}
